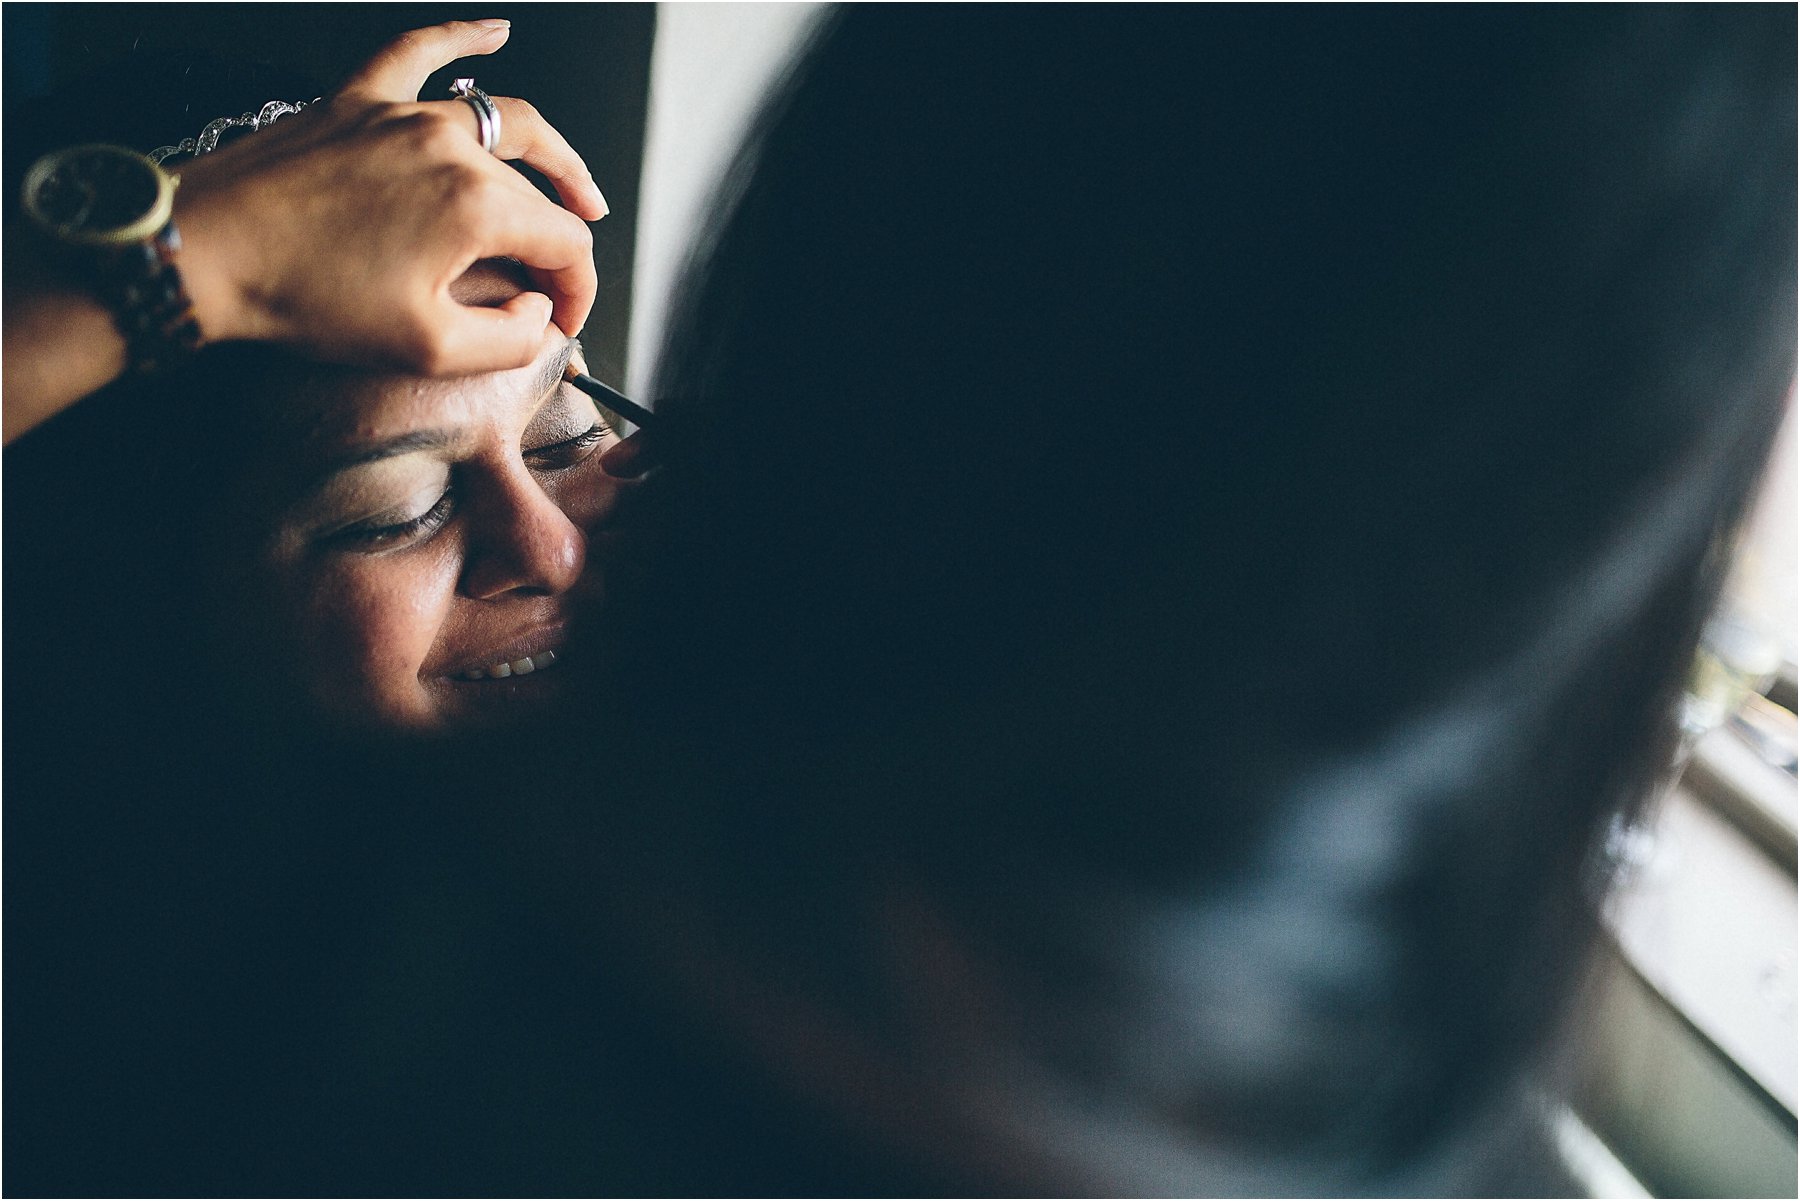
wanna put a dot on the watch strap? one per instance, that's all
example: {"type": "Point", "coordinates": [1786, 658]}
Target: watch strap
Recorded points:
{"type": "Point", "coordinates": [151, 307]}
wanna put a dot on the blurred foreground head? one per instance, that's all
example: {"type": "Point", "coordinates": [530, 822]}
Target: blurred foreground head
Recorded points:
{"type": "Point", "coordinates": [1190, 522]}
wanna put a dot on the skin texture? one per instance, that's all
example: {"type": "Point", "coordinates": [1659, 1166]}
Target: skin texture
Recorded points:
{"type": "Point", "coordinates": [468, 543]}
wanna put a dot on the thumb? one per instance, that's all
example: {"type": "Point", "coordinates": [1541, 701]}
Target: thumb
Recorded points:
{"type": "Point", "coordinates": [399, 69]}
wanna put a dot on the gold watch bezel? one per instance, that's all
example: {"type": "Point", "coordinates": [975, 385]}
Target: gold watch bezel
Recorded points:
{"type": "Point", "coordinates": [139, 229]}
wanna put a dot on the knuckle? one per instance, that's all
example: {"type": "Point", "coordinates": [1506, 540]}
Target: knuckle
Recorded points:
{"type": "Point", "coordinates": [468, 198]}
{"type": "Point", "coordinates": [477, 191]}
{"type": "Point", "coordinates": [574, 231]}
{"type": "Point", "coordinates": [439, 133]}
{"type": "Point", "coordinates": [415, 127]}
{"type": "Point", "coordinates": [581, 230]}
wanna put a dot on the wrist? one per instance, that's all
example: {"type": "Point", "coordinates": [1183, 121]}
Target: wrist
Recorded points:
{"type": "Point", "coordinates": [223, 307]}
{"type": "Point", "coordinates": [106, 213]}
{"type": "Point", "coordinates": [61, 341]}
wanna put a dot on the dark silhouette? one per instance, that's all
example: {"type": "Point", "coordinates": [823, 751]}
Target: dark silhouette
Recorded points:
{"type": "Point", "coordinates": [1180, 528]}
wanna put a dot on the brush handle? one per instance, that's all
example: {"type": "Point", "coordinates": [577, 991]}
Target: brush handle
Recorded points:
{"type": "Point", "coordinates": [631, 410]}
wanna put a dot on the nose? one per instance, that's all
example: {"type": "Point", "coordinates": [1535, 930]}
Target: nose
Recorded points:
{"type": "Point", "coordinates": [520, 542]}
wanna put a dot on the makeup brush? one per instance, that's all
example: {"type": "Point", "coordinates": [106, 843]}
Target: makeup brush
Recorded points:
{"type": "Point", "coordinates": [630, 410]}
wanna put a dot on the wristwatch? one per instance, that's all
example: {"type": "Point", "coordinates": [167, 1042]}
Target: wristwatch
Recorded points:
{"type": "Point", "coordinates": [110, 212]}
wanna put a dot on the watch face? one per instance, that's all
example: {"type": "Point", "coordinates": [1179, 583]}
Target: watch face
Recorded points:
{"type": "Point", "coordinates": [99, 195]}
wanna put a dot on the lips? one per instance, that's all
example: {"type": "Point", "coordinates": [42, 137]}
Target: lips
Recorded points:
{"type": "Point", "coordinates": [522, 666]}
{"type": "Point", "coordinates": [532, 652]}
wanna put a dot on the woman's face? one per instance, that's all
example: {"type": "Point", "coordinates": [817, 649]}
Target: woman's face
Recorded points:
{"type": "Point", "coordinates": [433, 539]}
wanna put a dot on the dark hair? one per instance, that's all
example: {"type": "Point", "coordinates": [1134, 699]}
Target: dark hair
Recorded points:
{"type": "Point", "coordinates": [1186, 524]}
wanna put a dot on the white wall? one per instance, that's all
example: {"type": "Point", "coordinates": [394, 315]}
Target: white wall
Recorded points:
{"type": "Point", "coordinates": [708, 72]}
{"type": "Point", "coordinates": [1768, 579]}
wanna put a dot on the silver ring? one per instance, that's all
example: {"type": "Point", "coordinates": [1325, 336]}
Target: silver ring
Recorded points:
{"type": "Point", "coordinates": [486, 112]}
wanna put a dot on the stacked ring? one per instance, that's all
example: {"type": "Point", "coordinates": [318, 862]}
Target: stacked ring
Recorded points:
{"type": "Point", "coordinates": [487, 114]}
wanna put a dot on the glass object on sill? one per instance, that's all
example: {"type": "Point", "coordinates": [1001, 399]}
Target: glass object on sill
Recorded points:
{"type": "Point", "coordinates": [1741, 649]}
{"type": "Point", "coordinates": [1768, 729]}
{"type": "Point", "coordinates": [1738, 658]}
{"type": "Point", "coordinates": [1630, 851]}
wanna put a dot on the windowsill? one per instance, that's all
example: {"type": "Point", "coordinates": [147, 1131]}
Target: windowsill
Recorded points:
{"type": "Point", "coordinates": [1589, 1160]}
{"type": "Point", "coordinates": [1711, 925]}
{"type": "Point", "coordinates": [1693, 1047]}
{"type": "Point", "coordinates": [1754, 795]}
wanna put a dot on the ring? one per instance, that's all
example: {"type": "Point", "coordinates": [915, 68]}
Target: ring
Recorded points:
{"type": "Point", "coordinates": [486, 113]}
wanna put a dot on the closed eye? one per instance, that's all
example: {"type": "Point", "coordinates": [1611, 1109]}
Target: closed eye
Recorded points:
{"type": "Point", "coordinates": [559, 456]}
{"type": "Point", "coordinates": [384, 537]}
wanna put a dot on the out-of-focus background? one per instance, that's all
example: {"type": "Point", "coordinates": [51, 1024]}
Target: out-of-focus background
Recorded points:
{"type": "Point", "coordinates": [1687, 1056]}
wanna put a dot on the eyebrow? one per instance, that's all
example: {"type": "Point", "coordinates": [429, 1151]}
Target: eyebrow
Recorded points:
{"type": "Point", "coordinates": [400, 444]}
{"type": "Point", "coordinates": [438, 439]}
{"type": "Point", "coordinates": [556, 366]}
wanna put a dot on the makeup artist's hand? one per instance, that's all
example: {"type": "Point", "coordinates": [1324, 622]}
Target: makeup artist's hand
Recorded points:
{"type": "Point", "coordinates": [338, 230]}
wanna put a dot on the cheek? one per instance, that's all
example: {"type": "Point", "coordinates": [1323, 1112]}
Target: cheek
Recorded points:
{"type": "Point", "coordinates": [587, 494]}
{"type": "Point", "coordinates": [366, 628]}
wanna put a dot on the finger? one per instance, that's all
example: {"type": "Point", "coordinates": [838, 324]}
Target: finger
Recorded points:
{"type": "Point", "coordinates": [630, 459]}
{"type": "Point", "coordinates": [555, 247]}
{"type": "Point", "coordinates": [478, 338]}
{"type": "Point", "coordinates": [399, 69]}
{"type": "Point", "coordinates": [572, 289]}
{"type": "Point", "coordinates": [526, 136]}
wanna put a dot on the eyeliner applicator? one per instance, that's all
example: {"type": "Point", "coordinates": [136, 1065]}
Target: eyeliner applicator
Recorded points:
{"type": "Point", "coordinates": [630, 410]}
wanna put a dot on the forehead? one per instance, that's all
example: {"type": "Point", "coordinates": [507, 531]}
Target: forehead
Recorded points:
{"type": "Point", "coordinates": [327, 410]}
{"type": "Point", "coordinates": [283, 423]}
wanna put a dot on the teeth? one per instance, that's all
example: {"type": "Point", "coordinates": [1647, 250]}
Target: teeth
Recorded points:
{"type": "Point", "coordinates": [518, 667]}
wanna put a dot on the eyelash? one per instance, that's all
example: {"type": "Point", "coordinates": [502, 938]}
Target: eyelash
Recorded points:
{"type": "Point", "coordinates": [576, 447]}
{"type": "Point", "coordinates": [375, 537]}
{"type": "Point", "coordinates": [433, 519]}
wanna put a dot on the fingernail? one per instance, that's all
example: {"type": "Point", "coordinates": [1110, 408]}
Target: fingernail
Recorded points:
{"type": "Point", "coordinates": [631, 459]}
{"type": "Point", "coordinates": [495, 23]}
